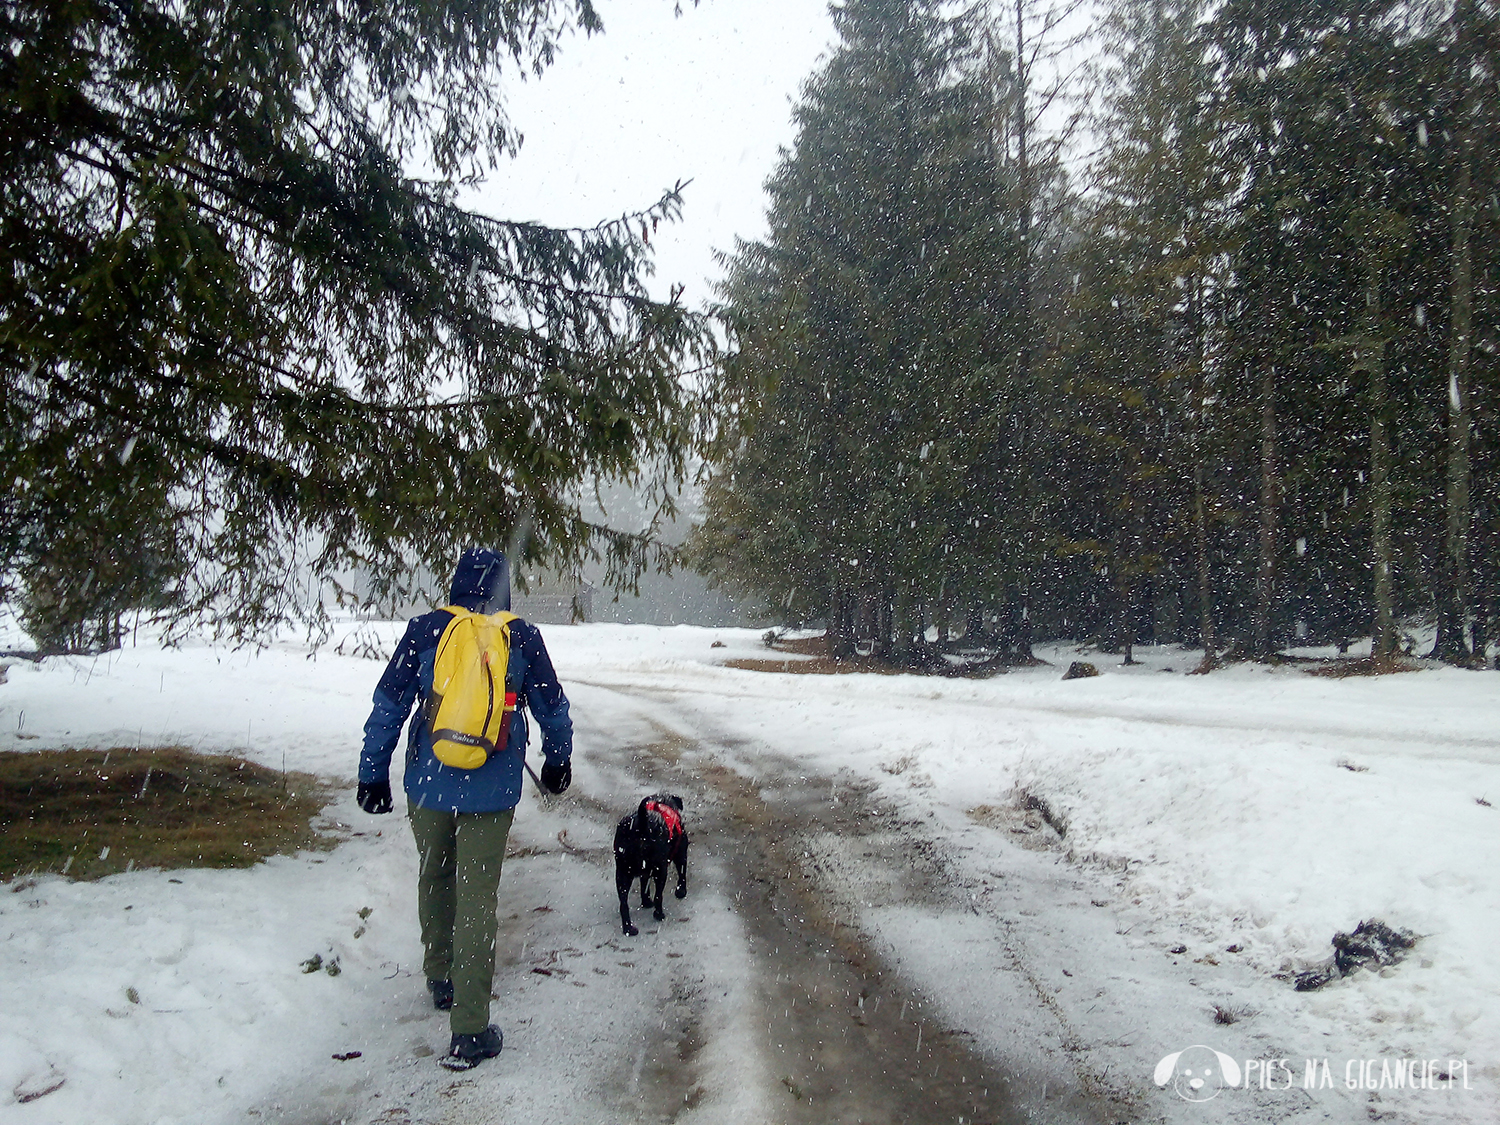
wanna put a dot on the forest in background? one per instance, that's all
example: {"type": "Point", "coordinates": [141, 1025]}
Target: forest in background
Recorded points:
{"type": "Point", "coordinates": [1229, 380]}
{"type": "Point", "coordinates": [1209, 357]}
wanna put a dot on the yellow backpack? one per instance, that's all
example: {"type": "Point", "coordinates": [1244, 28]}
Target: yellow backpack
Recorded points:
{"type": "Point", "coordinates": [469, 710]}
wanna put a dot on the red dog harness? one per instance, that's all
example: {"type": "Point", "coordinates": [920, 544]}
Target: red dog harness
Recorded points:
{"type": "Point", "coordinates": [669, 816]}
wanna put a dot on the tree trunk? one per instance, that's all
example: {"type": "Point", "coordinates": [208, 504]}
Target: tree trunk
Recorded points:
{"type": "Point", "coordinates": [1483, 562]}
{"type": "Point", "coordinates": [839, 638]}
{"type": "Point", "coordinates": [1127, 622]}
{"type": "Point", "coordinates": [1025, 314]}
{"type": "Point", "coordinates": [903, 627]}
{"type": "Point", "coordinates": [1453, 611]}
{"type": "Point", "coordinates": [882, 645]}
{"type": "Point", "coordinates": [1489, 572]}
{"type": "Point", "coordinates": [1370, 356]}
{"type": "Point", "coordinates": [1481, 621]}
{"type": "Point", "coordinates": [1197, 414]}
{"type": "Point", "coordinates": [1023, 629]}
{"type": "Point", "coordinates": [1270, 501]}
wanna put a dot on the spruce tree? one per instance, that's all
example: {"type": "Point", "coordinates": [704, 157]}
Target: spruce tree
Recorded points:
{"type": "Point", "coordinates": [1468, 89]}
{"type": "Point", "coordinates": [1160, 193]}
{"type": "Point", "coordinates": [227, 295]}
{"type": "Point", "coordinates": [873, 331]}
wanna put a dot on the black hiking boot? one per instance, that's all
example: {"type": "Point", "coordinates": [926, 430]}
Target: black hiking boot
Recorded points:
{"type": "Point", "coordinates": [442, 994]}
{"type": "Point", "coordinates": [467, 1051]}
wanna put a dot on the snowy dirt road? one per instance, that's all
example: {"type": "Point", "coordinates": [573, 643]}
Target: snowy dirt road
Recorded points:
{"type": "Point", "coordinates": [843, 956]}
{"type": "Point", "coordinates": [759, 999]}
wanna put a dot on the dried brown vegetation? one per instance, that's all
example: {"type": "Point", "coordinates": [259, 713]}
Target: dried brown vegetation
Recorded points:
{"type": "Point", "coordinates": [1365, 666]}
{"type": "Point", "coordinates": [91, 813]}
{"type": "Point", "coordinates": [819, 666]}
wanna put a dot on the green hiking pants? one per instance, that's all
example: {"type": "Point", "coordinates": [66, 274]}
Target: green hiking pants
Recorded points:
{"type": "Point", "coordinates": [459, 856]}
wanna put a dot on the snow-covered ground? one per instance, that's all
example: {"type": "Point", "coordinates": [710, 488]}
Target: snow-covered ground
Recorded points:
{"type": "Point", "coordinates": [1259, 809]}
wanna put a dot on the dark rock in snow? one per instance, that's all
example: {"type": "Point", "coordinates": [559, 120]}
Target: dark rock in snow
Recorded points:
{"type": "Point", "coordinates": [1310, 979]}
{"type": "Point", "coordinates": [1373, 944]}
{"type": "Point", "coordinates": [1080, 670]}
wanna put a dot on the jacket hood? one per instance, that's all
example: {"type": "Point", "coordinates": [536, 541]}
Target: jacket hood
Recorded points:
{"type": "Point", "coordinates": [481, 582]}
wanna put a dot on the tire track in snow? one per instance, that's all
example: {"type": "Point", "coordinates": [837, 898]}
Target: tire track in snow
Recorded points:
{"type": "Point", "coordinates": [841, 1034]}
{"type": "Point", "coordinates": [1098, 1028]}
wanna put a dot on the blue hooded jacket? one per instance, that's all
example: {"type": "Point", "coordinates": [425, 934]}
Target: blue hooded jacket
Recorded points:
{"type": "Point", "coordinates": [482, 584]}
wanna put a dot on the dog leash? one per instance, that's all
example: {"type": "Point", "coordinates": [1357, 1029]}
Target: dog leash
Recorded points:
{"type": "Point", "coordinates": [535, 780]}
{"type": "Point", "coordinates": [546, 797]}
{"type": "Point", "coordinates": [542, 793]}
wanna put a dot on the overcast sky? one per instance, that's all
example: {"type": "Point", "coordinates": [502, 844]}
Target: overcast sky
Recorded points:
{"type": "Point", "coordinates": [620, 117]}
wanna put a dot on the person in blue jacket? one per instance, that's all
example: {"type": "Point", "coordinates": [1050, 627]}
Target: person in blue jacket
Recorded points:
{"type": "Point", "coordinates": [461, 818]}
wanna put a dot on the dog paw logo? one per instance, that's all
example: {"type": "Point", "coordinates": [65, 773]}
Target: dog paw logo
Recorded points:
{"type": "Point", "coordinates": [1197, 1073]}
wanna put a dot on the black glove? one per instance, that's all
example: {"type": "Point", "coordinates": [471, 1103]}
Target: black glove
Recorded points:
{"type": "Point", "coordinates": [557, 778]}
{"type": "Point", "coordinates": [374, 796]}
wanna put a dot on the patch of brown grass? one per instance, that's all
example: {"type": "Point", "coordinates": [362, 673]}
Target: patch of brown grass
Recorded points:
{"type": "Point", "coordinates": [169, 807]}
{"type": "Point", "coordinates": [803, 646]}
{"type": "Point", "coordinates": [927, 662]}
{"type": "Point", "coordinates": [1365, 666]}
{"type": "Point", "coordinates": [820, 666]}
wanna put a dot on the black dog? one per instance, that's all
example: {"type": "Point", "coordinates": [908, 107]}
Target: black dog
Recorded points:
{"type": "Point", "coordinates": [645, 842]}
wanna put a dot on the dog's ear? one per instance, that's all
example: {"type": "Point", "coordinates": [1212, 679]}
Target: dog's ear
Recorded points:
{"type": "Point", "coordinates": [1229, 1070]}
{"type": "Point", "coordinates": [675, 801]}
{"type": "Point", "coordinates": [641, 809]}
{"type": "Point", "coordinates": [1165, 1068]}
